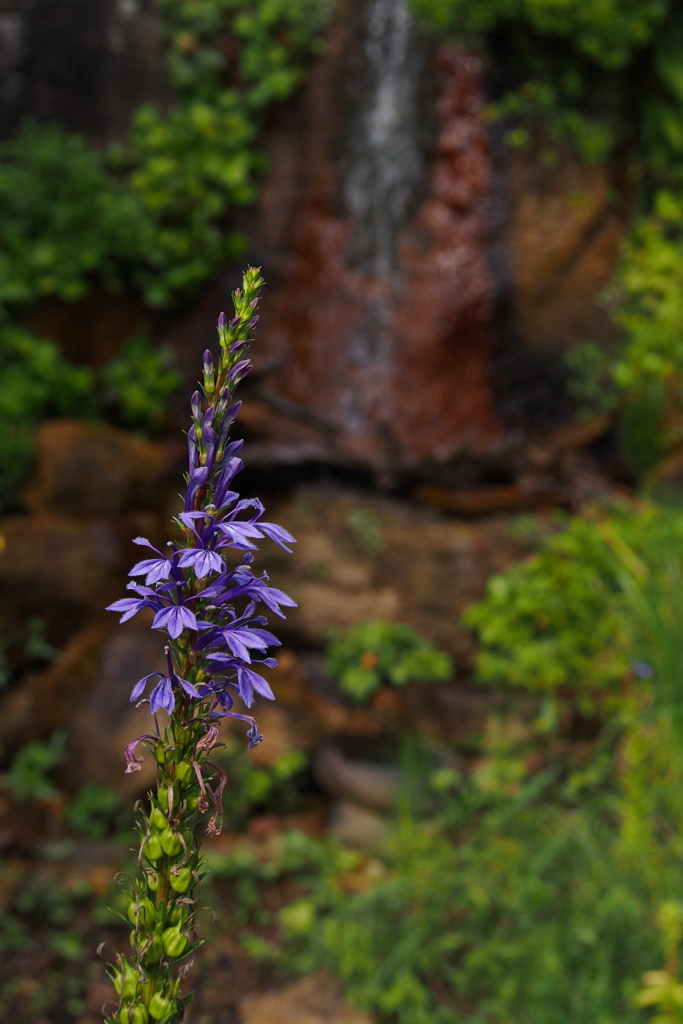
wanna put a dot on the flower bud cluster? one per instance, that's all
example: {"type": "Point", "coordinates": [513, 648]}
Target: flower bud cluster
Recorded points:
{"type": "Point", "coordinates": [205, 598]}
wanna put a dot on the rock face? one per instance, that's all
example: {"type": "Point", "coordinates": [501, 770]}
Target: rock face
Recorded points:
{"type": "Point", "coordinates": [384, 332]}
{"type": "Point", "coordinates": [360, 556]}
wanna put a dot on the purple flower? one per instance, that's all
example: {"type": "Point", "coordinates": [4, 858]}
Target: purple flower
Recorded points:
{"type": "Point", "coordinates": [175, 619]}
{"type": "Point", "coordinates": [163, 694]}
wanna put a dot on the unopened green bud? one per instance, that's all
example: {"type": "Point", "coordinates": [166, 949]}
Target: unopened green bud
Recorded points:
{"type": "Point", "coordinates": [158, 819]}
{"type": "Point", "coordinates": [142, 913]}
{"type": "Point", "coordinates": [161, 1005]}
{"type": "Point", "coordinates": [154, 851]}
{"type": "Point", "coordinates": [182, 881]}
{"type": "Point", "coordinates": [170, 842]}
{"type": "Point", "coordinates": [174, 942]}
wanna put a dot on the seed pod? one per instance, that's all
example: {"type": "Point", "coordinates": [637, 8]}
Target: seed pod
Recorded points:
{"type": "Point", "coordinates": [170, 842]}
{"type": "Point", "coordinates": [135, 1015]}
{"type": "Point", "coordinates": [160, 1005]}
{"type": "Point", "coordinates": [142, 913]}
{"type": "Point", "coordinates": [185, 773]}
{"type": "Point", "coordinates": [154, 952]}
{"type": "Point", "coordinates": [130, 982]}
{"type": "Point", "coordinates": [154, 851]}
{"type": "Point", "coordinates": [162, 796]}
{"type": "Point", "coordinates": [179, 915]}
{"type": "Point", "coordinates": [182, 881]}
{"type": "Point", "coordinates": [158, 820]}
{"type": "Point", "coordinates": [174, 942]}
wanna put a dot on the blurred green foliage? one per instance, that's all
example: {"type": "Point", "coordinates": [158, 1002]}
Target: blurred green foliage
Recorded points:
{"type": "Point", "coordinates": [645, 375]}
{"type": "Point", "coordinates": [149, 213]}
{"type": "Point", "coordinates": [571, 616]}
{"type": "Point", "coordinates": [261, 789]}
{"type": "Point", "coordinates": [37, 382]}
{"type": "Point", "coordinates": [30, 773]}
{"type": "Point", "coordinates": [375, 653]}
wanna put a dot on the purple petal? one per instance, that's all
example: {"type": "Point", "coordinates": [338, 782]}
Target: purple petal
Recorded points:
{"type": "Point", "coordinates": [248, 681]}
{"type": "Point", "coordinates": [175, 619]}
{"type": "Point", "coordinates": [155, 569]}
{"type": "Point", "coordinates": [273, 598]}
{"type": "Point", "coordinates": [139, 687]}
{"type": "Point", "coordinates": [162, 696]}
{"type": "Point", "coordinates": [188, 687]}
{"type": "Point", "coordinates": [130, 606]}
{"type": "Point", "coordinates": [143, 542]}
{"type": "Point", "coordinates": [278, 534]}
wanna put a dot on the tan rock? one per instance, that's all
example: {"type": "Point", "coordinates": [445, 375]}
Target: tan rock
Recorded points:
{"type": "Point", "coordinates": [83, 471]}
{"type": "Point", "coordinates": [563, 237]}
{"type": "Point", "coordinates": [384, 559]}
{"type": "Point", "coordinates": [316, 999]}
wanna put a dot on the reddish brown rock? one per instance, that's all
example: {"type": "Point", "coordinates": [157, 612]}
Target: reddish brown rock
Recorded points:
{"type": "Point", "coordinates": [563, 237]}
{"type": "Point", "coordinates": [397, 363]}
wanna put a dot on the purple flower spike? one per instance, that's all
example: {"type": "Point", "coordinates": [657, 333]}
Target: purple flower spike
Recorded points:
{"type": "Point", "coordinates": [202, 590]}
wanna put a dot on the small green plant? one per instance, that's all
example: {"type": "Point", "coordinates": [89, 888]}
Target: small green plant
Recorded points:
{"type": "Point", "coordinates": [95, 811]}
{"type": "Point", "coordinates": [375, 653]}
{"type": "Point", "coordinates": [29, 776]}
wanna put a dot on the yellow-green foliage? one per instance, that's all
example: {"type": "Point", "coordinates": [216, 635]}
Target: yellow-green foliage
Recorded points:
{"type": "Point", "coordinates": [566, 617]}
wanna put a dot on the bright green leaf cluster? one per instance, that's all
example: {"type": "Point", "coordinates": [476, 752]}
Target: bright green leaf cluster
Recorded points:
{"type": "Point", "coordinates": [564, 617]}
{"type": "Point", "coordinates": [374, 653]}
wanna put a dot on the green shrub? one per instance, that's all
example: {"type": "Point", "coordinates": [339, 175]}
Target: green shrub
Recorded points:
{"type": "Point", "coordinates": [374, 653]}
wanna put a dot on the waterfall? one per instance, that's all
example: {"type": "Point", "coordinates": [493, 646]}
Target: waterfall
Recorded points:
{"type": "Point", "coordinates": [383, 167]}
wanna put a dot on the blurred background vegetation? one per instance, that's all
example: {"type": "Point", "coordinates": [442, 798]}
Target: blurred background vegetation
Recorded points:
{"type": "Point", "coordinates": [470, 808]}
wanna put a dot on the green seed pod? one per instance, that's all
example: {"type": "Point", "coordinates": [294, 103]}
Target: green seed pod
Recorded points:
{"type": "Point", "coordinates": [153, 881]}
{"type": "Point", "coordinates": [154, 851]}
{"type": "Point", "coordinates": [170, 842]}
{"type": "Point", "coordinates": [155, 951]}
{"type": "Point", "coordinates": [160, 1005]}
{"type": "Point", "coordinates": [182, 881]}
{"type": "Point", "coordinates": [162, 796]}
{"type": "Point", "coordinates": [180, 915]}
{"type": "Point", "coordinates": [185, 773]}
{"type": "Point", "coordinates": [174, 942]}
{"type": "Point", "coordinates": [142, 913]}
{"type": "Point", "coordinates": [192, 802]}
{"type": "Point", "coordinates": [158, 820]}
{"type": "Point", "coordinates": [130, 983]}
{"type": "Point", "coordinates": [139, 1015]}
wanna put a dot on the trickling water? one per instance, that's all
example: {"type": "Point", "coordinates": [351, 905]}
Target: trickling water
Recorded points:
{"type": "Point", "coordinates": [384, 162]}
